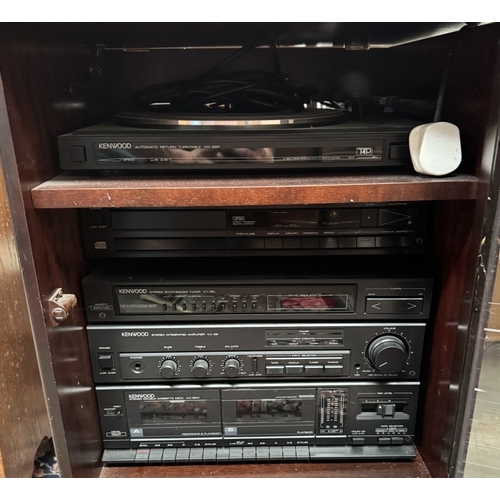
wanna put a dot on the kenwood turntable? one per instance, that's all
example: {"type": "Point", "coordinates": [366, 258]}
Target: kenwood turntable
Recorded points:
{"type": "Point", "coordinates": [317, 139]}
{"type": "Point", "coordinates": [243, 119]}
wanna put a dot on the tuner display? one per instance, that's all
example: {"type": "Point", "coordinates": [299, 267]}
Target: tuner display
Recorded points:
{"type": "Point", "coordinates": [308, 302]}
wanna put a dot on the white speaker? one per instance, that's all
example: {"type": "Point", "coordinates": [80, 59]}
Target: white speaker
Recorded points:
{"type": "Point", "coordinates": [435, 148]}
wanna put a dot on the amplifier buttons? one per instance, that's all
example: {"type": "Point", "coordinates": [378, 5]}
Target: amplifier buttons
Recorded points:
{"type": "Point", "coordinates": [314, 369]}
{"type": "Point", "coordinates": [330, 366]}
{"type": "Point", "coordinates": [275, 370]}
{"type": "Point", "coordinates": [294, 369]}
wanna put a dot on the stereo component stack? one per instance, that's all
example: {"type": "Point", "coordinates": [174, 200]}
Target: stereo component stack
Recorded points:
{"type": "Point", "coordinates": [256, 360]}
{"type": "Point", "coordinates": [248, 333]}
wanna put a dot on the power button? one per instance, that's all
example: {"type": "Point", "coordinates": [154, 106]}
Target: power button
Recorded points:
{"type": "Point", "coordinates": [77, 153]}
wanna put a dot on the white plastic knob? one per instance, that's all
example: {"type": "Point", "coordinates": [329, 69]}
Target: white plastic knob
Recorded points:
{"type": "Point", "coordinates": [435, 148]}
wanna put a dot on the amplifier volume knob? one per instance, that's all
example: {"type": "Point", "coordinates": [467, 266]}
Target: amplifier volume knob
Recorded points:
{"type": "Point", "coordinates": [168, 368]}
{"type": "Point", "coordinates": [231, 367]}
{"type": "Point", "coordinates": [387, 354]}
{"type": "Point", "coordinates": [200, 368]}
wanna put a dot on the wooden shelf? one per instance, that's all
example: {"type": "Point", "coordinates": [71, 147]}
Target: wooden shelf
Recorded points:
{"type": "Point", "coordinates": [76, 191]}
{"type": "Point", "coordinates": [404, 469]}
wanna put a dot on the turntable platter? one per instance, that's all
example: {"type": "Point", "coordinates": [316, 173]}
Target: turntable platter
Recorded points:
{"type": "Point", "coordinates": [223, 120]}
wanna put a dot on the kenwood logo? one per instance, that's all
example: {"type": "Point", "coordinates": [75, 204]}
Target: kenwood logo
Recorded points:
{"type": "Point", "coordinates": [115, 145]}
{"type": "Point", "coordinates": [140, 397]}
{"type": "Point", "coordinates": [132, 290]}
{"type": "Point", "coordinates": [135, 334]}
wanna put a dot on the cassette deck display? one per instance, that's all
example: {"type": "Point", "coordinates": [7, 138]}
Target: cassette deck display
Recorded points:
{"type": "Point", "coordinates": [372, 144]}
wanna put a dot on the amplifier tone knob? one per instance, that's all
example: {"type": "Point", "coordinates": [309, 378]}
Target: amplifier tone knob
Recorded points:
{"type": "Point", "coordinates": [387, 354]}
{"type": "Point", "coordinates": [168, 368]}
{"type": "Point", "coordinates": [231, 367]}
{"type": "Point", "coordinates": [200, 368]}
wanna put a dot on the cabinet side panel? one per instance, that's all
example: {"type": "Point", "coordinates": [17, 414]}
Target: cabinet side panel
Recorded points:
{"type": "Point", "coordinates": [24, 420]}
{"type": "Point", "coordinates": [469, 97]}
{"type": "Point", "coordinates": [37, 71]}
{"type": "Point", "coordinates": [452, 242]}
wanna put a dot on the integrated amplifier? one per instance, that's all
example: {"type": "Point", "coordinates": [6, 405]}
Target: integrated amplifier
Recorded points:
{"type": "Point", "coordinates": [274, 351]}
{"type": "Point", "coordinates": [155, 424]}
{"type": "Point", "coordinates": [341, 229]}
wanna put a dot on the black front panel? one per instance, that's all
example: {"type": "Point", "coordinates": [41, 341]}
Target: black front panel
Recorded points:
{"type": "Point", "coordinates": [272, 352]}
{"type": "Point", "coordinates": [306, 421]}
{"type": "Point", "coordinates": [172, 156]}
{"type": "Point", "coordinates": [154, 300]}
{"type": "Point", "coordinates": [344, 229]}
{"type": "Point", "coordinates": [113, 297]}
{"type": "Point", "coordinates": [350, 145]}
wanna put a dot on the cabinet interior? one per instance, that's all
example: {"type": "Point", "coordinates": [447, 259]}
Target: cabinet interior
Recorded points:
{"type": "Point", "coordinates": [60, 77]}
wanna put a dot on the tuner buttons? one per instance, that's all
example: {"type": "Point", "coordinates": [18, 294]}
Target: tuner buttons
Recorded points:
{"type": "Point", "coordinates": [231, 367]}
{"type": "Point", "coordinates": [200, 368]}
{"type": "Point", "coordinates": [387, 354]}
{"type": "Point", "coordinates": [168, 368]}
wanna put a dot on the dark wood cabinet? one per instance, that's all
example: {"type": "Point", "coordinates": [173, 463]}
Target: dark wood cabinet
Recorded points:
{"type": "Point", "coordinates": [57, 77]}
